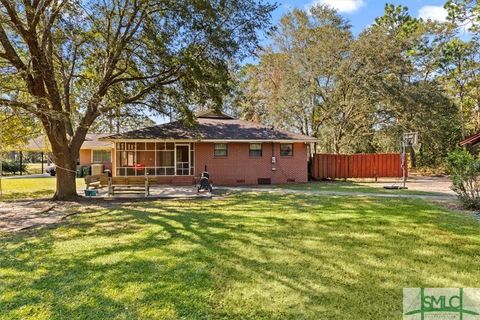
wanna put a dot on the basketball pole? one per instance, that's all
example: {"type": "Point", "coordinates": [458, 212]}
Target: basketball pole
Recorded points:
{"type": "Point", "coordinates": [404, 162]}
{"type": "Point", "coordinates": [1, 161]}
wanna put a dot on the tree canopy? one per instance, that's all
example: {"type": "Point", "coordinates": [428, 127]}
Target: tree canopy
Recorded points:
{"type": "Point", "coordinates": [69, 62]}
{"type": "Point", "coordinates": [361, 93]}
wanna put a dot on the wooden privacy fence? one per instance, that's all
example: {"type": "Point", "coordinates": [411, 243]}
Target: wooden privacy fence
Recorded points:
{"type": "Point", "coordinates": [340, 166]}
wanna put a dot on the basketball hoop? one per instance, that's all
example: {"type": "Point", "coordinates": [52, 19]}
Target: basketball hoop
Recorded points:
{"type": "Point", "coordinates": [410, 139]}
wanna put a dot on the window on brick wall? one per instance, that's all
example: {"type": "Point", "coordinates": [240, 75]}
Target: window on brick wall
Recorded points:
{"type": "Point", "coordinates": [286, 149]}
{"type": "Point", "coordinates": [220, 150]}
{"type": "Point", "coordinates": [255, 150]}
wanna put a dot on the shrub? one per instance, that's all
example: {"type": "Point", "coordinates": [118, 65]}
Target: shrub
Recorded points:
{"type": "Point", "coordinates": [11, 166]}
{"type": "Point", "coordinates": [464, 169]}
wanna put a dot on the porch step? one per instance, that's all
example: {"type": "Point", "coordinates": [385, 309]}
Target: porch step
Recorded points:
{"type": "Point", "coordinates": [128, 189]}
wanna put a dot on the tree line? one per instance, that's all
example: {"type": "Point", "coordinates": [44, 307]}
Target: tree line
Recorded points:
{"type": "Point", "coordinates": [361, 93]}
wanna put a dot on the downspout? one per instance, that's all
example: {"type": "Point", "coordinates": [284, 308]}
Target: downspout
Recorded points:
{"type": "Point", "coordinates": [271, 161]}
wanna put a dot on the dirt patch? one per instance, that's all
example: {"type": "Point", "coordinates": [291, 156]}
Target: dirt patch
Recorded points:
{"type": "Point", "coordinates": [21, 215]}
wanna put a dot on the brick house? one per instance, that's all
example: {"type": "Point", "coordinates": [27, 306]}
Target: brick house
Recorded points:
{"type": "Point", "coordinates": [233, 151]}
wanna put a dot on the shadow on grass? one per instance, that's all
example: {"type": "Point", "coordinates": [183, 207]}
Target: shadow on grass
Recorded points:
{"type": "Point", "coordinates": [247, 256]}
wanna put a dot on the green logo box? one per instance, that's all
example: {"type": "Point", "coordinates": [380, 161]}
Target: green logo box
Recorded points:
{"type": "Point", "coordinates": [441, 303]}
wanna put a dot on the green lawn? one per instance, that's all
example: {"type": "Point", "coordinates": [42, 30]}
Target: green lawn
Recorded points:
{"type": "Point", "coordinates": [23, 188]}
{"type": "Point", "coordinates": [34, 168]}
{"type": "Point", "coordinates": [246, 256]}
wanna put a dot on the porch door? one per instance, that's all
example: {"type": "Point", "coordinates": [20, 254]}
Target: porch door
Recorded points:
{"type": "Point", "coordinates": [182, 160]}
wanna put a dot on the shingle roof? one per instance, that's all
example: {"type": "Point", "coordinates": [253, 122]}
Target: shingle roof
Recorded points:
{"type": "Point", "coordinates": [212, 126]}
{"type": "Point", "coordinates": [471, 140]}
{"type": "Point", "coordinates": [40, 143]}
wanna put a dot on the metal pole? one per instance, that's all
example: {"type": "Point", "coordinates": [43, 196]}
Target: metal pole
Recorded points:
{"type": "Point", "coordinates": [1, 161]}
{"type": "Point", "coordinates": [42, 162]}
{"type": "Point", "coordinates": [21, 162]}
{"type": "Point", "coordinates": [404, 161]}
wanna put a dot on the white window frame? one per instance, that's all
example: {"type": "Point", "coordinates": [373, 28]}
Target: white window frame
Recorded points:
{"type": "Point", "coordinates": [105, 150]}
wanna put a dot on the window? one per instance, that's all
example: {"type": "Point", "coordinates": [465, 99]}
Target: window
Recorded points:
{"type": "Point", "coordinates": [102, 156]}
{"type": "Point", "coordinates": [255, 150]}
{"type": "Point", "coordinates": [286, 149]}
{"type": "Point", "coordinates": [220, 150]}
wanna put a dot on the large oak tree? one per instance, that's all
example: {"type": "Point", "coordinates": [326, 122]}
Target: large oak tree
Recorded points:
{"type": "Point", "coordinates": [69, 62]}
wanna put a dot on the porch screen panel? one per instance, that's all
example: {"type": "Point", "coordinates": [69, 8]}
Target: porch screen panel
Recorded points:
{"type": "Point", "coordinates": [125, 161]}
{"type": "Point", "coordinates": [154, 158]}
{"type": "Point", "coordinates": [165, 159]}
{"type": "Point", "coordinates": [182, 158]}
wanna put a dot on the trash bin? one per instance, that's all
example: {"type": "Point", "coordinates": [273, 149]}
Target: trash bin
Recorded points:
{"type": "Point", "coordinates": [90, 192]}
{"type": "Point", "coordinates": [86, 171]}
{"type": "Point", "coordinates": [79, 172]}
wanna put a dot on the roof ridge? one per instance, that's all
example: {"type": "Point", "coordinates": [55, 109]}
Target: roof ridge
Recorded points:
{"type": "Point", "coordinates": [213, 114]}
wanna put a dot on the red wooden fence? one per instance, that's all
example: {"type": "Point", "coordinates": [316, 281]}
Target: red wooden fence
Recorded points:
{"type": "Point", "coordinates": [340, 166]}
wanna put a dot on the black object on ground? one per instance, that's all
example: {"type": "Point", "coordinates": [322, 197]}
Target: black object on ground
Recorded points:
{"type": "Point", "coordinates": [395, 187]}
{"type": "Point", "coordinates": [204, 182]}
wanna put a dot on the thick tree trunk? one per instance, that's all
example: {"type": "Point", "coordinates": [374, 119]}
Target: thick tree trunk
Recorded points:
{"type": "Point", "coordinates": [66, 173]}
{"type": "Point", "coordinates": [65, 155]}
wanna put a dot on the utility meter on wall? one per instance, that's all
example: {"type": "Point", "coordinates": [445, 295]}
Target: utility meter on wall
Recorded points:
{"type": "Point", "coordinates": [274, 160]}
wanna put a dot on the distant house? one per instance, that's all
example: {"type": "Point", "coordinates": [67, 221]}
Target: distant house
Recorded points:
{"type": "Point", "coordinates": [233, 151]}
{"type": "Point", "coordinates": [472, 143]}
{"type": "Point", "coordinates": [93, 151]}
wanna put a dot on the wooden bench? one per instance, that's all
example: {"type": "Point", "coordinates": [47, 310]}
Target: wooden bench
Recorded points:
{"type": "Point", "coordinates": [96, 181]}
{"type": "Point", "coordinates": [130, 185]}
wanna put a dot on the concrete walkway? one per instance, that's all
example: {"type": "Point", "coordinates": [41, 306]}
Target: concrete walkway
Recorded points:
{"type": "Point", "coordinates": [339, 193]}
{"type": "Point", "coordinates": [157, 192]}
{"type": "Point", "coordinates": [28, 176]}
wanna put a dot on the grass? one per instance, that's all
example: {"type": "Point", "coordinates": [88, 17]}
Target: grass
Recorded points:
{"type": "Point", "coordinates": [246, 256]}
{"type": "Point", "coordinates": [35, 168]}
{"type": "Point", "coordinates": [31, 188]}
{"type": "Point", "coordinates": [351, 186]}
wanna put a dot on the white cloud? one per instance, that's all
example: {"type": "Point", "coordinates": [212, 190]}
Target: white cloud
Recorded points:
{"type": "Point", "coordinates": [347, 6]}
{"type": "Point", "coordinates": [435, 13]}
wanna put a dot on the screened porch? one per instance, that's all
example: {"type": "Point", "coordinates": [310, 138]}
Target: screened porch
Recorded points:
{"type": "Point", "coordinates": [154, 159]}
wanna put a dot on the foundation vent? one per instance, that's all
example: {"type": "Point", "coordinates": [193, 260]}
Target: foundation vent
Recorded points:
{"type": "Point", "coordinates": [264, 181]}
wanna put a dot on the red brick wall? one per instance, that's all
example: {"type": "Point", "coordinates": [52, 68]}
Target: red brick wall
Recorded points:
{"type": "Point", "coordinates": [239, 168]}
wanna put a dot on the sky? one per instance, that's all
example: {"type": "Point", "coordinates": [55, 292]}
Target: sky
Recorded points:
{"type": "Point", "coordinates": [362, 13]}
